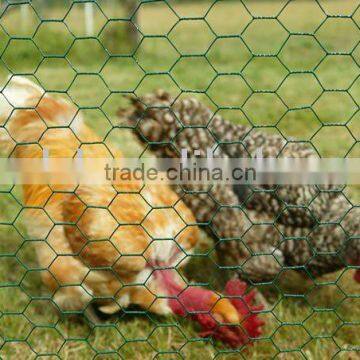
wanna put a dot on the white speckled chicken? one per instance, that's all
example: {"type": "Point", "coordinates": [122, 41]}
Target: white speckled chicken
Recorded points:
{"type": "Point", "coordinates": [262, 232]}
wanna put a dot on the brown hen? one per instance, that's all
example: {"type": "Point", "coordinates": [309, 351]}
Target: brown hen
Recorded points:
{"type": "Point", "coordinates": [112, 245]}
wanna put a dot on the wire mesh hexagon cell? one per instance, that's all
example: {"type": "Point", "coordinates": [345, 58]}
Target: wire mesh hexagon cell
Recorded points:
{"type": "Point", "coordinates": [133, 269]}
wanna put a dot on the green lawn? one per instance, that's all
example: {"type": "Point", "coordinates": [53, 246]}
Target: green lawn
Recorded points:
{"type": "Point", "coordinates": [291, 93]}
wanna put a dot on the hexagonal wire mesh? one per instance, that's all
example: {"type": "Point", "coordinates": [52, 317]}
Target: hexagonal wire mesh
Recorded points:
{"type": "Point", "coordinates": [285, 74]}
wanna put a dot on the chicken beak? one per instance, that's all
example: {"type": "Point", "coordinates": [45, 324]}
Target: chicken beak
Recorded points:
{"type": "Point", "coordinates": [223, 311]}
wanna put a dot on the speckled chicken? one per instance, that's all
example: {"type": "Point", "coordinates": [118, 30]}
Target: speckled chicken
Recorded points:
{"type": "Point", "coordinates": [100, 244]}
{"type": "Point", "coordinates": [259, 231]}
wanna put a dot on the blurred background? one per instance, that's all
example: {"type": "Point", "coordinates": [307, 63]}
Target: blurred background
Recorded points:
{"type": "Point", "coordinates": [285, 67]}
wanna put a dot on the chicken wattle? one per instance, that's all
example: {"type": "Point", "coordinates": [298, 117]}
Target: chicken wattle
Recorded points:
{"type": "Point", "coordinates": [231, 318]}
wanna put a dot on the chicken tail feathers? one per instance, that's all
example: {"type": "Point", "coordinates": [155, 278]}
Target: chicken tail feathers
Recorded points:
{"type": "Point", "coordinates": [27, 111]}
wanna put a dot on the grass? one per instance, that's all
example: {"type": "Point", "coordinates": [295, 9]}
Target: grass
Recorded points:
{"type": "Point", "coordinates": [319, 324]}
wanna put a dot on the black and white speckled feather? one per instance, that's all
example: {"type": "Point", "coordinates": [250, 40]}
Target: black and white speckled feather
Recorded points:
{"type": "Point", "coordinates": [282, 226]}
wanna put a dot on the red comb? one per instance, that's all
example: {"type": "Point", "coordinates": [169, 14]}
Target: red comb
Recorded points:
{"type": "Point", "coordinates": [357, 276]}
{"type": "Point", "coordinates": [197, 302]}
{"type": "Point", "coordinates": [235, 335]}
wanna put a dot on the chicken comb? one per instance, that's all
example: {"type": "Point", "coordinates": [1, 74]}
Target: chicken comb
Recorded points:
{"type": "Point", "coordinates": [235, 336]}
